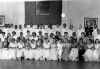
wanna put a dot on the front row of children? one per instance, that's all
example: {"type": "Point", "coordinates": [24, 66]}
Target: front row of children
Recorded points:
{"type": "Point", "coordinates": [56, 50]}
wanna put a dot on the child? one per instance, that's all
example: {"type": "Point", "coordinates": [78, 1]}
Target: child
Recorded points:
{"type": "Point", "coordinates": [39, 49]}
{"type": "Point", "coordinates": [0, 49]}
{"type": "Point", "coordinates": [53, 51]}
{"type": "Point", "coordinates": [12, 49]}
{"type": "Point", "coordinates": [20, 49]}
{"type": "Point", "coordinates": [74, 51]}
{"type": "Point", "coordinates": [33, 49]}
{"type": "Point", "coordinates": [46, 50]}
{"type": "Point", "coordinates": [5, 49]}
{"type": "Point", "coordinates": [96, 51]}
{"type": "Point", "coordinates": [27, 50]}
{"type": "Point", "coordinates": [59, 48]}
{"type": "Point", "coordinates": [81, 47]}
{"type": "Point", "coordinates": [66, 50]}
{"type": "Point", "coordinates": [89, 52]}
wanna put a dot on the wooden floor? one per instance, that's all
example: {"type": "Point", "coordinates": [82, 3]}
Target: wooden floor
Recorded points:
{"type": "Point", "coordinates": [29, 64]}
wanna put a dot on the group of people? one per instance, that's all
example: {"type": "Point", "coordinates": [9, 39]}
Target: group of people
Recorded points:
{"type": "Point", "coordinates": [50, 43]}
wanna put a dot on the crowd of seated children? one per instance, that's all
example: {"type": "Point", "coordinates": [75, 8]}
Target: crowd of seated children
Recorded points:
{"type": "Point", "coordinates": [60, 43]}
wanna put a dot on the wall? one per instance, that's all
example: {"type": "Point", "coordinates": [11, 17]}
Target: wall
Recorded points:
{"type": "Point", "coordinates": [76, 10]}
{"type": "Point", "coordinates": [53, 18]}
{"type": "Point", "coordinates": [13, 12]}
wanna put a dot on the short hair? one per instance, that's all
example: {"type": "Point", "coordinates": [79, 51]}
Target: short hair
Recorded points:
{"type": "Point", "coordinates": [65, 32]}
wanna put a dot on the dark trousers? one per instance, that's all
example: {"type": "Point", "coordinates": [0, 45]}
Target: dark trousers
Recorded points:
{"type": "Point", "coordinates": [81, 52]}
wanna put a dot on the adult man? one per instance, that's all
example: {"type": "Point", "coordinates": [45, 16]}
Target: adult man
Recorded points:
{"type": "Point", "coordinates": [79, 31]}
{"type": "Point", "coordinates": [25, 30]}
{"type": "Point", "coordinates": [94, 33]}
{"type": "Point", "coordinates": [19, 30]}
{"type": "Point", "coordinates": [88, 29]}
{"type": "Point", "coordinates": [70, 31]}
{"type": "Point", "coordinates": [64, 29]}
{"type": "Point", "coordinates": [5, 29]}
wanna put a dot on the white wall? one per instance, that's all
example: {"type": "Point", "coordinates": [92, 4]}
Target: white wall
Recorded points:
{"type": "Point", "coordinates": [76, 10]}
{"type": "Point", "coordinates": [14, 12]}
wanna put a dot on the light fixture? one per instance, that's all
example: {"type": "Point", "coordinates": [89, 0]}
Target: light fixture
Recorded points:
{"type": "Point", "coordinates": [63, 15]}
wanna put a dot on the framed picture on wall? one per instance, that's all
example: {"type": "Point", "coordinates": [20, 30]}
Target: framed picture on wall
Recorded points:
{"type": "Point", "coordinates": [42, 7]}
{"type": "Point", "coordinates": [2, 20]}
{"type": "Point", "coordinates": [92, 21]}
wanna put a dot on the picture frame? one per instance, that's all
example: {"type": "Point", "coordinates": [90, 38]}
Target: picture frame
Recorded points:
{"type": "Point", "coordinates": [93, 21]}
{"type": "Point", "coordinates": [2, 20]}
{"type": "Point", "coordinates": [43, 8]}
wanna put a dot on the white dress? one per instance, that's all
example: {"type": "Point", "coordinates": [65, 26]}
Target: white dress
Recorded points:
{"type": "Point", "coordinates": [27, 53]}
{"type": "Point", "coordinates": [5, 53]}
{"type": "Point", "coordinates": [73, 54]}
{"type": "Point", "coordinates": [89, 53]}
{"type": "Point", "coordinates": [46, 50]}
{"type": "Point", "coordinates": [60, 50]}
{"type": "Point", "coordinates": [96, 52]}
{"type": "Point", "coordinates": [53, 52]}
{"type": "Point", "coordinates": [39, 52]}
{"type": "Point", "coordinates": [12, 51]}
{"type": "Point", "coordinates": [32, 51]}
{"type": "Point", "coordinates": [20, 50]}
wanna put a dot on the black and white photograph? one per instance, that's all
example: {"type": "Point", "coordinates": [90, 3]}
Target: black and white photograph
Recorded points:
{"type": "Point", "coordinates": [49, 34]}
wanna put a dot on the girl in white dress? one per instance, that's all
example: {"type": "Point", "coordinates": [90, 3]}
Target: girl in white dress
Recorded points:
{"type": "Point", "coordinates": [12, 49]}
{"type": "Point", "coordinates": [73, 55]}
{"type": "Point", "coordinates": [5, 50]}
{"type": "Point", "coordinates": [60, 48]}
{"type": "Point", "coordinates": [53, 51]}
{"type": "Point", "coordinates": [33, 49]}
{"type": "Point", "coordinates": [96, 50]}
{"type": "Point", "coordinates": [46, 50]}
{"type": "Point", "coordinates": [20, 49]}
{"type": "Point", "coordinates": [27, 50]}
{"type": "Point", "coordinates": [39, 49]}
{"type": "Point", "coordinates": [89, 52]}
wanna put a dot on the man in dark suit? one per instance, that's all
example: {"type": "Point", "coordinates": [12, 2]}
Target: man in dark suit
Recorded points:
{"type": "Point", "coordinates": [88, 29]}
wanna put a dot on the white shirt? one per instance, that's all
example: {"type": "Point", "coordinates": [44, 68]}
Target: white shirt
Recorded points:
{"type": "Point", "coordinates": [63, 31]}
{"type": "Point", "coordinates": [94, 33]}
{"type": "Point", "coordinates": [70, 32]}
{"type": "Point", "coordinates": [46, 45]}
{"type": "Point", "coordinates": [19, 45]}
{"type": "Point", "coordinates": [78, 32]}
{"type": "Point", "coordinates": [3, 38]}
{"type": "Point", "coordinates": [15, 37]}
{"type": "Point", "coordinates": [50, 31]}
{"type": "Point", "coordinates": [6, 30]}
{"type": "Point", "coordinates": [97, 37]}
{"type": "Point", "coordinates": [24, 32]}
{"type": "Point", "coordinates": [12, 45]}
{"type": "Point", "coordinates": [18, 32]}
